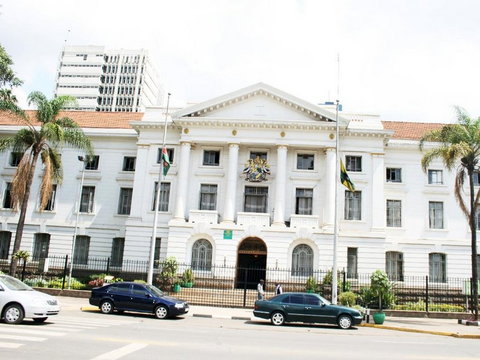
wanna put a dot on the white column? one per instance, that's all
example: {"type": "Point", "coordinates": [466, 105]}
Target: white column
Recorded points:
{"type": "Point", "coordinates": [377, 189]}
{"type": "Point", "coordinates": [280, 180]}
{"type": "Point", "coordinates": [184, 164]}
{"type": "Point", "coordinates": [232, 176]}
{"type": "Point", "coordinates": [141, 199]}
{"type": "Point", "coordinates": [330, 182]}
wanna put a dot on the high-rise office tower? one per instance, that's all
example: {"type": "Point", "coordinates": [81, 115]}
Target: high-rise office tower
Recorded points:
{"type": "Point", "coordinates": [108, 80]}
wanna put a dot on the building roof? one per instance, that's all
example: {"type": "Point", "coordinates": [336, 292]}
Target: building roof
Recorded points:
{"type": "Point", "coordinates": [121, 120]}
{"type": "Point", "coordinates": [85, 119]}
{"type": "Point", "coordinates": [410, 130]}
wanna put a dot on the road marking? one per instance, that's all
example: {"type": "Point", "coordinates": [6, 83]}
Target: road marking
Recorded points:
{"type": "Point", "coordinates": [10, 345]}
{"type": "Point", "coordinates": [20, 337]}
{"type": "Point", "coordinates": [121, 352]}
{"type": "Point", "coordinates": [33, 332]}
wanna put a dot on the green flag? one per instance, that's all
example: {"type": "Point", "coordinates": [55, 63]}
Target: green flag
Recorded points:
{"type": "Point", "coordinates": [165, 161]}
{"type": "Point", "coordinates": [344, 179]}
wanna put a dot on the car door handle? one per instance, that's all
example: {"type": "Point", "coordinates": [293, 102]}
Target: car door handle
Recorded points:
{"type": "Point", "coordinates": [307, 307]}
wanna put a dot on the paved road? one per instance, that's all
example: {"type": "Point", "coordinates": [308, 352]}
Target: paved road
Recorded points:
{"type": "Point", "coordinates": [81, 335]}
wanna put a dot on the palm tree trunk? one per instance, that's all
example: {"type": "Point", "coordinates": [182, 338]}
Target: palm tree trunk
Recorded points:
{"type": "Point", "coordinates": [473, 229]}
{"type": "Point", "coordinates": [23, 213]}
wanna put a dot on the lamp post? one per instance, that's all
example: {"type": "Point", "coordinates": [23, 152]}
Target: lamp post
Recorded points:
{"type": "Point", "coordinates": [77, 207]}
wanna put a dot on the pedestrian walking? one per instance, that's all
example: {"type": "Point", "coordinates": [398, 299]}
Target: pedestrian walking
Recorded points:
{"type": "Point", "coordinates": [260, 290]}
{"type": "Point", "coordinates": [278, 289]}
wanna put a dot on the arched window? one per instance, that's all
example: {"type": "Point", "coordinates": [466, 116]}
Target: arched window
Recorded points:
{"type": "Point", "coordinates": [202, 255]}
{"type": "Point", "coordinates": [302, 260]}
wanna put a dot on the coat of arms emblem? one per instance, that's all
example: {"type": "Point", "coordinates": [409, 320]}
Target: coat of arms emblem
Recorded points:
{"type": "Point", "coordinates": [256, 170]}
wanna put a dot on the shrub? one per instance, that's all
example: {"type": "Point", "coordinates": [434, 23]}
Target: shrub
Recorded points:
{"type": "Point", "coordinates": [420, 306]}
{"type": "Point", "coordinates": [382, 288]}
{"type": "Point", "coordinates": [347, 298]}
{"type": "Point", "coordinates": [36, 282]}
{"type": "Point", "coordinates": [188, 276]}
{"type": "Point", "coordinates": [56, 283]}
{"type": "Point", "coordinates": [168, 274]}
{"type": "Point", "coordinates": [311, 284]}
{"type": "Point", "coordinates": [328, 279]}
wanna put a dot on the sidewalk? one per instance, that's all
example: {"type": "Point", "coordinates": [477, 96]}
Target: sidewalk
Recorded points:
{"type": "Point", "coordinates": [443, 327]}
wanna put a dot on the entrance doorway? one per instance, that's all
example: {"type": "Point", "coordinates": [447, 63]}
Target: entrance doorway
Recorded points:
{"type": "Point", "coordinates": [251, 263]}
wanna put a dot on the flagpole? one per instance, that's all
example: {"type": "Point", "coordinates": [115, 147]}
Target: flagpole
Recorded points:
{"type": "Point", "coordinates": [157, 202]}
{"type": "Point", "coordinates": [335, 226]}
{"type": "Point", "coordinates": [337, 174]}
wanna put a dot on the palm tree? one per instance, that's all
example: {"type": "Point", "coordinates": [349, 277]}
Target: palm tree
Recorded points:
{"type": "Point", "coordinates": [42, 138]}
{"type": "Point", "coordinates": [460, 147]}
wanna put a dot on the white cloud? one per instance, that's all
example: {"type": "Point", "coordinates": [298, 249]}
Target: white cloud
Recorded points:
{"type": "Point", "coordinates": [409, 60]}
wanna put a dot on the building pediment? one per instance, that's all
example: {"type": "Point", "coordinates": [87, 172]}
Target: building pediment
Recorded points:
{"type": "Point", "coordinates": [260, 102]}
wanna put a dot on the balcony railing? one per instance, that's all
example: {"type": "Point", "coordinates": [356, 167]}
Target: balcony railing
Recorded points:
{"type": "Point", "coordinates": [306, 221]}
{"type": "Point", "coordinates": [259, 219]}
{"type": "Point", "coordinates": [203, 216]}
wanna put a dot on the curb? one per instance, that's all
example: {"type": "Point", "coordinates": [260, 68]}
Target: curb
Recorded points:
{"type": "Point", "coordinates": [89, 308]}
{"type": "Point", "coordinates": [440, 333]}
{"type": "Point", "coordinates": [469, 322]}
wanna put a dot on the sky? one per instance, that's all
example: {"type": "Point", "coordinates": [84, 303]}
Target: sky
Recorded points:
{"type": "Point", "coordinates": [409, 60]}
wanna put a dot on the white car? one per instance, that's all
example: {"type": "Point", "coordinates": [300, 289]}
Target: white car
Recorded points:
{"type": "Point", "coordinates": [19, 301]}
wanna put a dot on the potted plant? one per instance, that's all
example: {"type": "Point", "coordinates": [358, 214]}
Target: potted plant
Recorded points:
{"type": "Point", "coordinates": [176, 286]}
{"type": "Point", "coordinates": [168, 275]}
{"type": "Point", "coordinates": [311, 285]}
{"type": "Point", "coordinates": [381, 287]}
{"type": "Point", "coordinates": [188, 278]}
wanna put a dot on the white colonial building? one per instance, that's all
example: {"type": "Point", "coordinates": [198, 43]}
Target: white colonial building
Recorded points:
{"type": "Point", "coordinates": [214, 210]}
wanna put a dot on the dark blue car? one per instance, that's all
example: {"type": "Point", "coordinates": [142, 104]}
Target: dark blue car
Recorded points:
{"type": "Point", "coordinates": [130, 296]}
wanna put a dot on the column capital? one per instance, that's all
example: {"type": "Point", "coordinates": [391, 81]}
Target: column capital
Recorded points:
{"type": "Point", "coordinates": [230, 145]}
{"type": "Point", "coordinates": [282, 146]}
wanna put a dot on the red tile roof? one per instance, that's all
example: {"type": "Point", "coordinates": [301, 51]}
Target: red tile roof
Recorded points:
{"type": "Point", "coordinates": [85, 119]}
{"type": "Point", "coordinates": [121, 120]}
{"type": "Point", "coordinates": [410, 130]}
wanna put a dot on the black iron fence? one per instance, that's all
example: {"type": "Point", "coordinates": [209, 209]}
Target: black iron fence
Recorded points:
{"type": "Point", "coordinates": [225, 285]}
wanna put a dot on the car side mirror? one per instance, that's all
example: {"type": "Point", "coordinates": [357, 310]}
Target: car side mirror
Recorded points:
{"type": "Point", "coordinates": [322, 304]}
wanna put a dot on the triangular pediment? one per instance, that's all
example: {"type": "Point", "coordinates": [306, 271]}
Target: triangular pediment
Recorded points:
{"type": "Point", "coordinates": [259, 101]}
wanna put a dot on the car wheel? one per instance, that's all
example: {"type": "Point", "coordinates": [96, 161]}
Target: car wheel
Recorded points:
{"type": "Point", "coordinates": [277, 318]}
{"type": "Point", "coordinates": [161, 312]}
{"type": "Point", "coordinates": [39, 320]}
{"type": "Point", "coordinates": [344, 321]}
{"type": "Point", "coordinates": [106, 307]}
{"type": "Point", "coordinates": [13, 314]}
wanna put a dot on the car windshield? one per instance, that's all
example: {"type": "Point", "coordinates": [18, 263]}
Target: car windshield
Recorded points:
{"type": "Point", "coordinates": [154, 290]}
{"type": "Point", "coordinates": [15, 284]}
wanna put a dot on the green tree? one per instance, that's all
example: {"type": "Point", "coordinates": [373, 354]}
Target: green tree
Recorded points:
{"type": "Point", "coordinates": [459, 148]}
{"type": "Point", "coordinates": [41, 138]}
{"type": "Point", "coordinates": [8, 80]}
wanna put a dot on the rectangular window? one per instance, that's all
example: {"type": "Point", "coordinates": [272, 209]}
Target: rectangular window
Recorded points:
{"type": "Point", "coordinates": [260, 154]}
{"type": "Point", "coordinates": [394, 265]}
{"type": "Point", "coordinates": [80, 254]}
{"type": "Point", "coordinates": [394, 213]}
{"type": "Point", "coordinates": [15, 158]}
{"type": "Point", "coordinates": [208, 197]}
{"type": "Point", "coordinates": [435, 214]}
{"type": "Point", "coordinates": [118, 245]}
{"type": "Point", "coordinates": [170, 153]}
{"type": "Point", "coordinates": [256, 199]}
{"type": "Point", "coordinates": [156, 254]}
{"type": "Point", "coordinates": [125, 201]}
{"type": "Point", "coordinates": [353, 205]}
{"type": "Point", "coordinates": [394, 175]}
{"type": "Point", "coordinates": [50, 206]}
{"type": "Point", "coordinates": [164, 196]}
{"type": "Point", "coordinates": [305, 161]}
{"type": "Point", "coordinates": [304, 201]}
{"type": "Point", "coordinates": [435, 177]}
{"type": "Point", "coordinates": [92, 162]}
{"type": "Point", "coordinates": [352, 259]}
{"type": "Point", "coordinates": [129, 163]}
{"type": "Point", "coordinates": [476, 178]}
{"type": "Point", "coordinates": [5, 239]}
{"type": "Point", "coordinates": [437, 267]}
{"type": "Point", "coordinates": [353, 163]}
{"type": "Point", "coordinates": [41, 243]}
{"type": "Point", "coordinates": [211, 158]}
{"type": "Point", "coordinates": [7, 197]}
{"type": "Point", "coordinates": [87, 199]}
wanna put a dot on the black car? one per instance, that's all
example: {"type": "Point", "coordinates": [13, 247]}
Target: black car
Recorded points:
{"type": "Point", "coordinates": [130, 296]}
{"type": "Point", "coordinates": [307, 308]}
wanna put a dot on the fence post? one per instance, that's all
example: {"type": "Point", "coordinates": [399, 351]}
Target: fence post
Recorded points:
{"type": "Point", "coordinates": [344, 285]}
{"type": "Point", "coordinates": [245, 288]}
{"type": "Point", "coordinates": [471, 296]}
{"type": "Point", "coordinates": [24, 266]}
{"type": "Point", "coordinates": [426, 294]}
{"type": "Point", "coordinates": [108, 266]}
{"type": "Point", "coordinates": [65, 271]}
